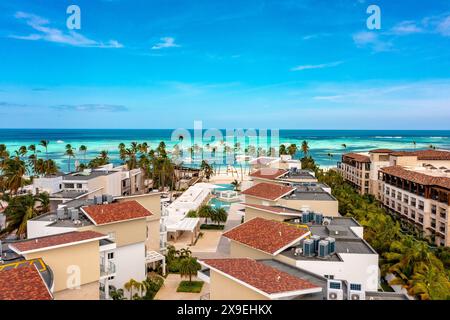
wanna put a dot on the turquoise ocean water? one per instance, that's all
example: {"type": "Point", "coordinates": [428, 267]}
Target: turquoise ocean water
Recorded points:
{"type": "Point", "coordinates": [321, 142]}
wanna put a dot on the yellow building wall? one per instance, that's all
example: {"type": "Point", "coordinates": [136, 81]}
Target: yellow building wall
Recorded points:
{"type": "Point", "coordinates": [64, 263]}
{"type": "Point", "coordinates": [238, 250]}
{"type": "Point", "coordinates": [223, 288]}
{"type": "Point", "coordinates": [126, 232]}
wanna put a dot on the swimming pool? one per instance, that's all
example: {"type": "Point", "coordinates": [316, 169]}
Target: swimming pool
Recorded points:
{"type": "Point", "coordinates": [216, 203]}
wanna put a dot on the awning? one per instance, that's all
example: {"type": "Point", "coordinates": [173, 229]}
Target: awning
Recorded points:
{"type": "Point", "coordinates": [186, 224]}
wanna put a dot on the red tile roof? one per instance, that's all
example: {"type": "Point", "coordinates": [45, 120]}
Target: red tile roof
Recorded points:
{"type": "Point", "coordinates": [266, 235]}
{"type": "Point", "coordinates": [269, 173]}
{"type": "Point", "coordinates": [357, 157]}
{"type": "Point", "coordinates": [425, 154]}
{"type": "Point", "coordinates": [417, 177]}
{"type": "Point", "coordinates": [273, 209]}
{"type": "Point", "coordinates": [260, 276]}
{"type": "Point", "coordinates": [116, 212]}
{"type": "Point", "coordinates": [55, 240]}
{"type": "Point", "coordinates": [381, 151]}
{"type": "Point", "coordinates": [23, 283]}
{"type": "Point", "coordinates": [268, 191]}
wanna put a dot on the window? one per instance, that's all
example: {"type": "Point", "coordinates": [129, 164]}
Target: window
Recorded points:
{"type": "Point", "coordinates": [111, 278]}
{"type": "Point", "coordinates": [413, 202]}
{"type": "Point", "coordinates": [329, 276]}
{"type": "Point", "coordinates": [421, 205]}
{"type": "Point", "coordinates": [355, 287]}
{"type": "Point", "coordinates": [110, 255]}
{"type": "Point", "coordinates": [79, 186]}
{"type": "Point", "coordinates": [69, 185]}
{"type": "Point", "coordinates": [433, 209]}
{"type": "Point", "coordinates": [335, 285]}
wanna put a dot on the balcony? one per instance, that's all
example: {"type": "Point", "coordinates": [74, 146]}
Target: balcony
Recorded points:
{"type": "Point", "coordinates": [107, 269]}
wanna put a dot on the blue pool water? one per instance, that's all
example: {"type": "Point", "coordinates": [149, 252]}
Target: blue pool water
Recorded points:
{"type": "Point", "coordinates": [216, 203]}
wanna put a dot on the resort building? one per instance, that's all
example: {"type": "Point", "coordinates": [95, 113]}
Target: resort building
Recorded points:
{"type": "Point", "coordinates": [269, 279]}
{"type": "Point", "coordinates": [175, 213]}
{"type": "Point", "coordinates": [283, 162]}
{"type": "Point", "coordinates": [361, 169]}
{"type": "Point", "coordinates": [74, 265]}
{"type": "Point", "coordinates": [282, 176]}
{"type": "Point", "coordinates": [355, 168]}
{"type": "Point", "coordinates": [331, 247]}
{"type": "Point", "coordinates": [126, 222]}
{"type": "Point", "coordinates": [411, 184]}
{"type": "Point", "coordinates": [313, 196]}
{"type": "Point", "coordinates": [89, 183]}
{"type": "Point", "coordinates": [421, 196]}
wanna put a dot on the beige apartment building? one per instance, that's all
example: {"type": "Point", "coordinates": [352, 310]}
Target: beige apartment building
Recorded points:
{"type": "Point", "coordinates": [420, 196]}
{"type": "Point", "coordinates": [76, 260]}
{"type": "Point", "coordinates": [355, 168]}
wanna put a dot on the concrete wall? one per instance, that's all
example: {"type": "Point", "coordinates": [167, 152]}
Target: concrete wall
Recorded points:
{"type": "Point", "coordinates": [130, 264]}
{"type": "Point", "coordinates": [88, 291]}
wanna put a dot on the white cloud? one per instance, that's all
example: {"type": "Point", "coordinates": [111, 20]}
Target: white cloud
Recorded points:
{"type": "Point", "coordinates": [371, 40]}
{"type": "Point", "coordinates": [50, 34]}
{"type": "Point", "coordinates": [316, 66]}
{"type": "Point", "coordinates": [406, 27]}
{"type": "Point", "coordinates": [166, 42]}
{"type": "Point", "coordinates": [91, 108]}
{"type": "Point", "coordinates": [443, 27]}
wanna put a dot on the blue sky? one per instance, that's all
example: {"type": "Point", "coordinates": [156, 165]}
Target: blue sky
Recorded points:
{"type": "Point", "coordinates": [305, 64]}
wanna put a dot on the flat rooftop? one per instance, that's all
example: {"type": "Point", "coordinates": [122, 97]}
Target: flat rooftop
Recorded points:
{"type": "Point", "coordinates": [299, 174]}
{"type": "Point", "coordinates": [67, 194]}
{"type": "Point", "coordinates": [82, 176]}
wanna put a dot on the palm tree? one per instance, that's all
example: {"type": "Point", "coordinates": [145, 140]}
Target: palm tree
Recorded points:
{"type": "Point", "coordinates": [429, 284]}
{"type": "Point", "coordinates": [33, 157]}
{"type": "Point", "coordinates": [83, 149]}
{"type": "Point", "coordinates": [205, 211]}
{"type": "Point", "coordinates": [130, 285]}
{"type": "Point", "coordinates": [282, 149]}
{"type": "Point", "coordinates": [45, 143]}
{"type": "Point", "coordinates": [13, 173]}
{"type": "Point", "coordinates": [70, 153]}
{"type": "Point", "coordinates": [292, 149]}
{"type": "Point", "coordinates": [21, 209]}
{"type": "Point", "coordinates": [207, 169]}
{"type": "Point", "coordinates": [236, 184]}
{"type": "Point", "coordinates": [219, 215]}
{"type": "Point", "coordinates": [305, 148]}
{"type": "Point", "coordinates": [189, 267]}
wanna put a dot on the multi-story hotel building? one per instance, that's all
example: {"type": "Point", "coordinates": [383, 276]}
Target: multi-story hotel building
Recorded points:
{"type": "Point", "coordinates": [415, 185]}
{"type": "Point", "coordinates": [420, 196]}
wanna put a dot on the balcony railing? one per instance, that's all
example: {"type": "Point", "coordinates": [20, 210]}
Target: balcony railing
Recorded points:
{"type": "Point", "coordinates": [107, 269]}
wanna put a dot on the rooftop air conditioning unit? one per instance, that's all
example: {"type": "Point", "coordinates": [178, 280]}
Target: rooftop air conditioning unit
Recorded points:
{"type": "Point", "coordinates": [308, 248]}
{"type": "Point", "coordinates": [324, 249]}
{"type": "Point", "coordinates": [335, 290]}
{"type": "Point", "coordinates": [316, 240]}
{"type": "Point", "coordinates": [74, 214]}
{"type": "Point", "coordinates": [332, 245]}
{"type": "Point", "coordinates": [355, 292]}
{"type": "Point", "coordinates": [61, 213]}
